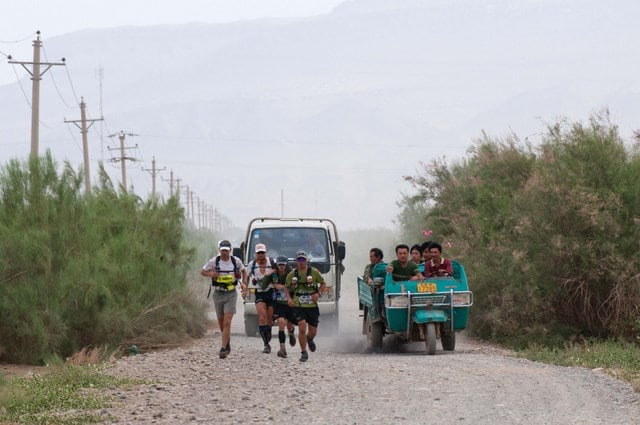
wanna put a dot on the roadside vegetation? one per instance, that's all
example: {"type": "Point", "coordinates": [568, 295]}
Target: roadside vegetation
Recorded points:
{"type": "Point", "coordinates": [104, 269]}
{"type": "Point", "coordinates": [549, 238]}
{"type": "Point", "coordinates": [65, 394]}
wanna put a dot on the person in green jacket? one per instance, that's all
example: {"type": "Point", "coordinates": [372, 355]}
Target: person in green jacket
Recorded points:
{"type": "Point", "coordinates": [305, 285]}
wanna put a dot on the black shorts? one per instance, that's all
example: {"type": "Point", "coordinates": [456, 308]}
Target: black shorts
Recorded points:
{"type": "Point", "coordinates": [308, 314]}
{"type": "Point", "coordinates": [265, 297]}
{"type": "Point", "coordinates": [283, 310]}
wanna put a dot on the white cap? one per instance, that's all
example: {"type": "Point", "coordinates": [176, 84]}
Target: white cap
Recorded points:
{"type": "Point", "coordinates": [261, 248]}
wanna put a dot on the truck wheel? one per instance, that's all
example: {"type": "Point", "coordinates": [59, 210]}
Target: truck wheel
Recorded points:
{"type": "Point", "coordinates": [374, 334]}
{"type": "Point", "coordinates": [251, 325]}
{"type": "Point", "coordinates": [430, 338]}
{"type": "Point", "coordinates": [448, 340]}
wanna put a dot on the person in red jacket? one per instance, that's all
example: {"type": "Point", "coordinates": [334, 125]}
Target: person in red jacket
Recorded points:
{"type": "Point", "coordinates": [437, 266]}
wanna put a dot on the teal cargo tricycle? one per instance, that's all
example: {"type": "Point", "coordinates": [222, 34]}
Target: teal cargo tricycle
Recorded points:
{"type": "Point", "coordinates": [431, 309]}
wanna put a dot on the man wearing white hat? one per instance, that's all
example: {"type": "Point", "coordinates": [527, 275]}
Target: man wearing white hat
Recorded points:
{"type": "Point", "coordinates": [225, 272]}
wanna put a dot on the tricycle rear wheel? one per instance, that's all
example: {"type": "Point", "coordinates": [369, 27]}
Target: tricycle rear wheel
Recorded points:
{"type": "Point", "coordinates": [374, 334]}
{"type": "Point", "coordinates": [448, 340]}
{"type": "Point", "coordinates": [430, 338]}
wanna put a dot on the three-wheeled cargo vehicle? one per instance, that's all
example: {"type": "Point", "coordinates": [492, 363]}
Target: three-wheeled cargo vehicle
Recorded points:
{"type": "Point", "coordinates": [431, 309]}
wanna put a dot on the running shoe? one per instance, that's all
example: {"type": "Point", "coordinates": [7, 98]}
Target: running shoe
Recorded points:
{"type": "Point", "coordinates": [282, 353]}
{"type": "Point", "coordinates": [312, 345]}
{"type": "Point", "coordinates": [292, 339]}
{"type": "Point", "coordinates": [228, 348]}
{"type": "Point", "coordinates": [266, 349]}
{"type": "Point", "coordinates": [223, 353]}
{"type": "Point", "coordinates": [304, 356]}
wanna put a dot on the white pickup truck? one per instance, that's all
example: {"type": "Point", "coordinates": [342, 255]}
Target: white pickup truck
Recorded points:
{"type": "Point", "coordinates": [318, 237]}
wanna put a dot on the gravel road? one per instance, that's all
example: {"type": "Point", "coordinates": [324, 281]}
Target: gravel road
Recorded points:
{"type": "Point", "coordinates": [343, 384]}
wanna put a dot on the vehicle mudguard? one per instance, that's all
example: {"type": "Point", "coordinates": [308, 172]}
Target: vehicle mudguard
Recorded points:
{"type": "Point", "coordinates": [426, 316]}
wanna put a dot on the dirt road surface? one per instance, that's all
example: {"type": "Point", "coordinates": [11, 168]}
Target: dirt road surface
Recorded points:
{"type": "Point", "coordinates": [343, 384]}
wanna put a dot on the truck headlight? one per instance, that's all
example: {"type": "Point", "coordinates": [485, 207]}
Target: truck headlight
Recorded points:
{"type": "Point", "coordinates": [396, 301]}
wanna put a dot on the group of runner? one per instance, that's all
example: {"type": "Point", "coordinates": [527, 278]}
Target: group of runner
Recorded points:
{"type": "Point", "coordinates": [288, 296]}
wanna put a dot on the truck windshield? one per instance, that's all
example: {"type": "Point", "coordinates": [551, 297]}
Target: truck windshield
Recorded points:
{"type": "Point", "coordinates": [289, 240]}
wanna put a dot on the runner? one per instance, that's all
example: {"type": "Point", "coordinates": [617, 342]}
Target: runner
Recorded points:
{"type": "Point", "coordinates": [305, 284]}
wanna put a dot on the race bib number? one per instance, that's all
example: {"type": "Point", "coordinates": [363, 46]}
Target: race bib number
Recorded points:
{"type": "Point", "coordinates": [305, 299]}
{"type": "Point", "coordinates": [280, 296]}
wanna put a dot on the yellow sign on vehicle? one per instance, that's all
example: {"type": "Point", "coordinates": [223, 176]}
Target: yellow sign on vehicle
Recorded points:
{"type": "Point", "coordinates": [427, 287]}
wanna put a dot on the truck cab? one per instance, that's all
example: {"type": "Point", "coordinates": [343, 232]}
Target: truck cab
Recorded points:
{"type": "Point", "coordinates": [318, 237]}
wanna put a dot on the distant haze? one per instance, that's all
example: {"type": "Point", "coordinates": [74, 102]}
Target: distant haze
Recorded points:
{"type": "Point", "coordinates": [331, 110]}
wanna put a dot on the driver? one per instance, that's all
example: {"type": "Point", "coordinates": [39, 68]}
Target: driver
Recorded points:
{"type": "Point", "coordinates": [317, 250]}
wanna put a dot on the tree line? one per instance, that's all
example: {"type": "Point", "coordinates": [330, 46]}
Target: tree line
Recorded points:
{"type": "Point", "coordinates": [549, 234]}
{"type": "Point", "coordinates": [79, 270]}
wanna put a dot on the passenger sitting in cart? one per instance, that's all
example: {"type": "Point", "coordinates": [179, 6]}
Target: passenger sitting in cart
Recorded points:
{"type": "Point", "coordinates": [375, 257]}
{"type": "Point", "coordinates": [437, 266]}
{"type": "Point", "coordinates": [402, 268]}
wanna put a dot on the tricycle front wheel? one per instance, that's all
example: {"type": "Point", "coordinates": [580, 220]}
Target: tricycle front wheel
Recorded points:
{"type": "Point", "coordinates": [430, 338]}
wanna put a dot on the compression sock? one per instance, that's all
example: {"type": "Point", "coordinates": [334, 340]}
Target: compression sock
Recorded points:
{"type": "Point", "coordinates": [268, 334]}
{"type": "Point", "coordinates": [281, 338]}
{"type": "Point", "coordinates": [263, 333]}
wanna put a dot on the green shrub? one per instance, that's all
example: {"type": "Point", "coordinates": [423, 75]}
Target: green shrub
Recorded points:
{"type": "Point", "coordinates": [548, 235]}
{"type": "Point", "coordinates": [81, 270]}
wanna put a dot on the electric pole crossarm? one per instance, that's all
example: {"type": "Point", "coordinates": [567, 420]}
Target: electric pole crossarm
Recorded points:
{"type": "Point", "coordinates": [78, 123]}
{"type": "Point", "coordinates": [42, 72]}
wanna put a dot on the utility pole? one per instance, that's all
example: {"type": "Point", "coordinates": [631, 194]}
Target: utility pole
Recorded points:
{"type": "Point", "coordinates": [211, 219]}
{"type": "Point", "coordinates": [198, 214]}
{"type": "Point", "coordinates": [217, 224]}
{"type": "Point", "coordinates": [193, 219]}
{"type": "Point", "coordinates": [153, 172]}
{"type": "Point", "coordinates": [84, 129]}
{"type": "Point", "coordinates": [122, 158]}
{"type": "Point", "coordinates": [36, 76]}
{"type": "Point", "coordinates": [177, 188]}
{"type": "Point", "coordinates": [100, 76]}
{"type": "Point", "coordinates": [187, 202]}
{"type": "Point", "coordinates": [202, 212]}
{"type": "Point", "coordinates": [171, 180]}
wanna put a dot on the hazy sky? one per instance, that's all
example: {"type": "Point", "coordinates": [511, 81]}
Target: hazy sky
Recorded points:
{"type": "Point", "coordinates": [20, 20]}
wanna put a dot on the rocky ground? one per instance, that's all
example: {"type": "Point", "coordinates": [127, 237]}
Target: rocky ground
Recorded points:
{"type": "Point", "coordinates": [343, 384]}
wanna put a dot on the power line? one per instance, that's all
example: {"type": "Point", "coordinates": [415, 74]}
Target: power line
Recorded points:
{"type": "Point", "coordinates": [279, 141]}
{"type": "Point", "coordinates": [56, 85]}
{"type": "Point", "coordinates": [19, 41]}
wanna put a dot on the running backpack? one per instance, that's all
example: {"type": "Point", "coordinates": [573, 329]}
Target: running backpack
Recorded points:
{"type": "Point", "coordinates": [236, 269]}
